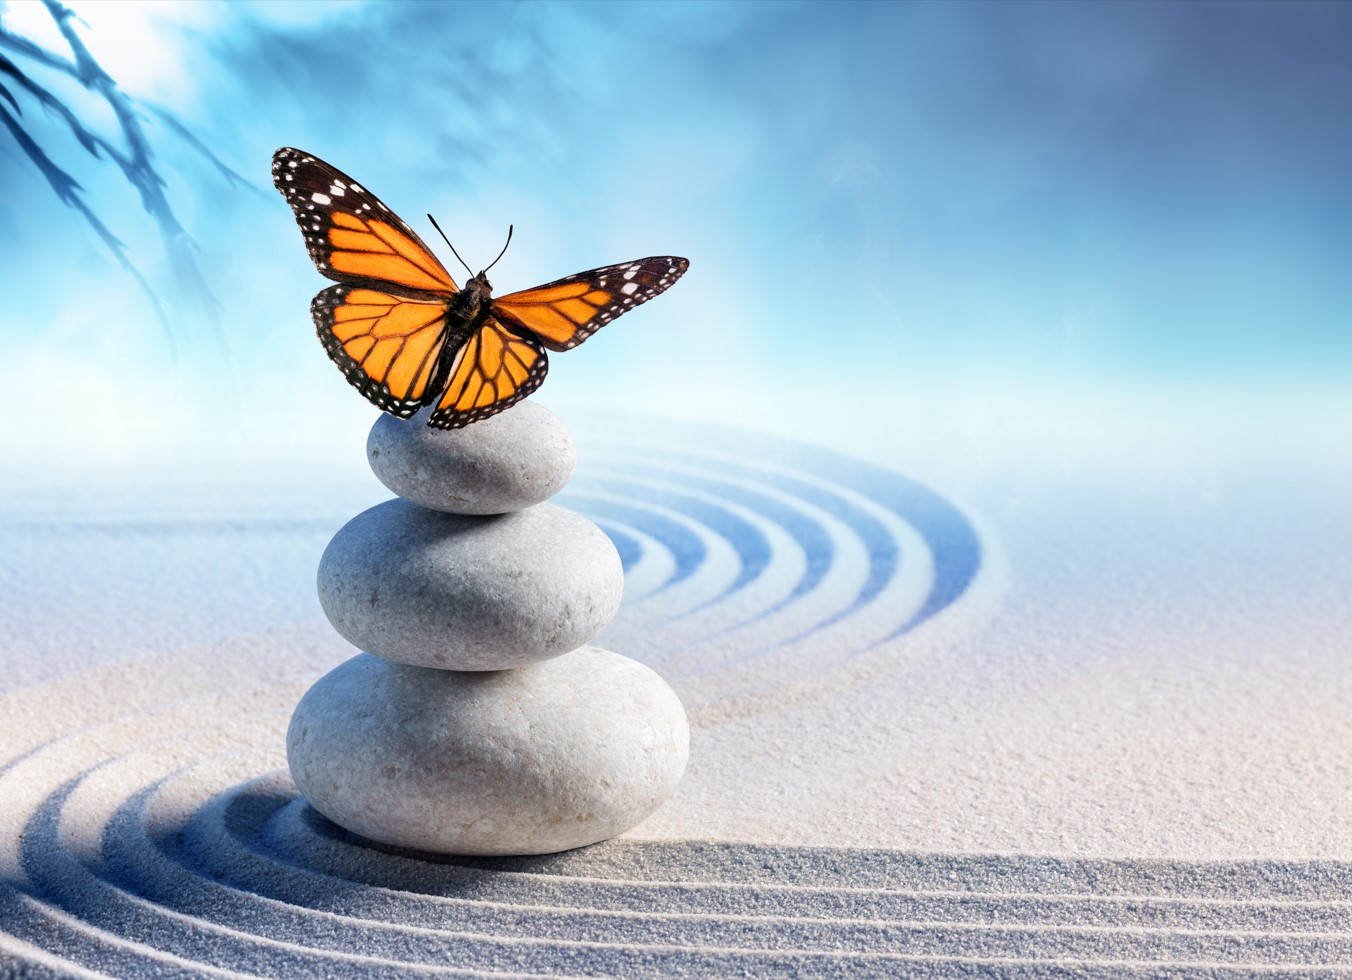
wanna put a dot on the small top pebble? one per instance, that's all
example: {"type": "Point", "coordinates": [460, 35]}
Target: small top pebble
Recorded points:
{"type": "Point", "coordinates": [511, 461]}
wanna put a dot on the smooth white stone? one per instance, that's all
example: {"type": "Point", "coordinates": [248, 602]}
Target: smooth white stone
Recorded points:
{"type": "Point", "coordinates": [529, 761]}
{"type": "Point", "coordinates": [458, 592]}
{"type": "Point", "coordinates": [508, 462]}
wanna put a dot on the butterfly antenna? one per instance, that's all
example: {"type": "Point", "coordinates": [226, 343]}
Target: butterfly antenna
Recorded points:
{"type": "Point", "coordinates": [504, 249]}
{"type": "Point", "coordinates": [448, 242]}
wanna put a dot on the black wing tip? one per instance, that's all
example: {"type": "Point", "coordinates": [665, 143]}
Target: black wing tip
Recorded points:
{"type": "Point", "coordinates": [676, 265]}
{"type": "Point", "coordinates": [283, 155]}
{"type": "Point", "coordinates": [286, 162]}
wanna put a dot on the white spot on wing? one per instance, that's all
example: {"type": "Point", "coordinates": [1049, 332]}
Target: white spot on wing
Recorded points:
{"type": "Point", "coordinates": [321, 198]}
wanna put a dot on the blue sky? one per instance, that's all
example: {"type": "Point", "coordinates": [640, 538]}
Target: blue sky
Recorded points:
{"type": "Point", "coordinates": [873, 196]}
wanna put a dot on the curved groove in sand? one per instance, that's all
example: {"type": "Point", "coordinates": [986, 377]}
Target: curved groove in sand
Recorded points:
{"type": "Point", "coordinates": [150, 826]}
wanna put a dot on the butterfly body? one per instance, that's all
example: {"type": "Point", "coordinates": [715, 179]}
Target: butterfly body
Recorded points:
{"type": "Point", "coordinates": [470, 305]}
{"type": "Point", "coordinates": [406, 336]}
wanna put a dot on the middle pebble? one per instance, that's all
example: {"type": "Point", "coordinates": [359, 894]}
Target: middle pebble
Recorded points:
{"type": "Point", "coordinates": [463, 592]}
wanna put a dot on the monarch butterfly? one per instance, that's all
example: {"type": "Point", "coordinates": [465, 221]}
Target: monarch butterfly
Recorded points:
{"type": "Point", "coordinates": [406, 336]}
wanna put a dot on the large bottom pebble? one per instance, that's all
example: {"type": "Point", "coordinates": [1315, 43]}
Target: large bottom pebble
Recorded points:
{"type": "Point", "coordinates": [531, 760]}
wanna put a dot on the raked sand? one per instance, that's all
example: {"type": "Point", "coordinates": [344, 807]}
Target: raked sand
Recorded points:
{"type": "Point", "coordinates": [1076, 708]}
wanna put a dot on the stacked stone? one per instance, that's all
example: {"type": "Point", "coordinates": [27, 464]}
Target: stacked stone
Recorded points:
{"type": "Point", "coordinates": [479, 721]}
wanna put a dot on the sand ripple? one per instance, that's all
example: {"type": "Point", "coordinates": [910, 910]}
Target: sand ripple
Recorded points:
{"type": "Point", "coordinates": [196, 871]}
{"type": "Point", "coordinates": [149, 826]}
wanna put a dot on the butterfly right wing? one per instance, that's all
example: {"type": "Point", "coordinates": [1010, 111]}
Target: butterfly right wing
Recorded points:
{"type": "Point", "coordinates": [565, 312]}
{"type": "Point", "coordinates": [350, 233]}
{"type": "Point", "coordinates": [493, 370]}
{"type": "Point", "coordinates": [387, 346]}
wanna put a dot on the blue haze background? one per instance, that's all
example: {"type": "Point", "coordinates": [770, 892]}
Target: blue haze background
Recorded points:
{"type": "Point", "coordinates": [897, 214]}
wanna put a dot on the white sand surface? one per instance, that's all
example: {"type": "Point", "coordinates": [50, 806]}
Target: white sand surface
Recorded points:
{"type": "Point", "coordinates": [1034, 692]}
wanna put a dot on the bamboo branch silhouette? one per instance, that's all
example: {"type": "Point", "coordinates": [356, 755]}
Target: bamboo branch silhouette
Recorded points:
{"type": "Point", "coordinates": [67, 190]}
{"type": "Point", "coordinates": [135, 159]}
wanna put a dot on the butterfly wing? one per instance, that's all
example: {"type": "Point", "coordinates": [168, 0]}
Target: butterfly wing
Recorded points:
{"type": "Point", "coordinates": [387, 346]}
{"type": "Point", "coordinates": [385, 324]}
{"type": "Point", "coordinates": [494, 370]}
{"type": "Point", "coordinates": [564, 313]}
{"type": "Point", "coordinates": [352, 236]}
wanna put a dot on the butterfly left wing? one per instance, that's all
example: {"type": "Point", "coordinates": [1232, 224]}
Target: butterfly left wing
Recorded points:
{"type": "Point", "coordinates": [388, 347]}
{"type": "Point", "coordinates": [350, 233]}
{"type": "Point", "coordinates": [493, 370]}
{"type": "Point", "coordinates": [564, 313]}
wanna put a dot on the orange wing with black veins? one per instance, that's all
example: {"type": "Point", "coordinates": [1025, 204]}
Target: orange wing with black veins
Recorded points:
{"type": "Point", "coordinates": [387, 346]}
{"type": "Point", "coordinates": [564, 313]}
{"type": "Point", "coordinates": [494, 370]}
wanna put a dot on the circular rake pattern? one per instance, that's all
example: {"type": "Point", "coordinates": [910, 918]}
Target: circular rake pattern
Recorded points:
{"type": "Point", "coordinates": [754, 563]}
{"type": "Point", "coordinates": [149, 827]}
